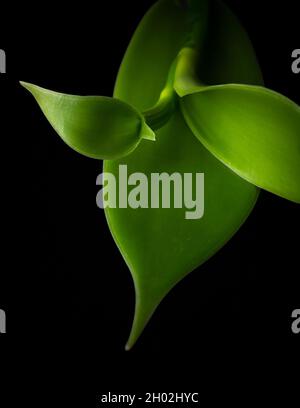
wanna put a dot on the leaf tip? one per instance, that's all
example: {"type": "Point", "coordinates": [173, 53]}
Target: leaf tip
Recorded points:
{"type": "Point", "coordinates": [128, 347]}
{"type": "Point", "coordinates": [26, 85]}
{"type": "Point", "coordinates": [33, 89]}
{"type": "Point", "coordinates": [148, 133]}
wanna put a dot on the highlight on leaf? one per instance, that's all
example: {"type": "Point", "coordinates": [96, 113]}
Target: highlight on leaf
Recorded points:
{"type": "Point", "coordinates": [252, 130]}
{"type": "Point", "coordinates": [167, 247]}
{"type": "Point", "coordinates": [98, 127]}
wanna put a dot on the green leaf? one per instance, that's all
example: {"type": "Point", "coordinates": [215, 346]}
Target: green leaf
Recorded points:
{"type": "Point", "coordinates": [95, 126]}
{"type": "Point", "coordinates": [160, 246]}
{"type": "Point", "coordinates": [253, 131]}
{"type": "Point", "coordinates": [227, 56]}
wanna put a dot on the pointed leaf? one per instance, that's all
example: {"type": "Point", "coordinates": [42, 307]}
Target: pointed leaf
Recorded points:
{"type": "Point", "coordinates": [95, 126]}
{"type": "Point", "coordinates": [252, 130]}
{"type": "Point", "coordinates": [159, 245]}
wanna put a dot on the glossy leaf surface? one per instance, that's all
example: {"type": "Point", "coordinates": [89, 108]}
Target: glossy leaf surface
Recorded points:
{"type": "Point", "coordinates": [254, 131]}
{"type": "Point", "coordinates": [95, 126]}
{"type": "Point", "coordinates": [159, 245]}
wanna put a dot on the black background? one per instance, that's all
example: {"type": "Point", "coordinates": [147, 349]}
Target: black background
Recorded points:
{"type": "Point", "coordinates": [224, 331]}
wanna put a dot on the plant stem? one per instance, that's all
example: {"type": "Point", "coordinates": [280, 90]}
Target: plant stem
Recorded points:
{"type": "Point", "coordinates": [182, 79]}
{"type": "Point", "coordinates": [157, 116]}
{"type": "Point", "coordinates": [186, 80]}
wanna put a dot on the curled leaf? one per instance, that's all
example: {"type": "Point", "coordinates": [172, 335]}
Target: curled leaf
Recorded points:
{"type": "Point", "coordinates": [253, 131]}
{"type": "Point", "coordinates": [95, 126]}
